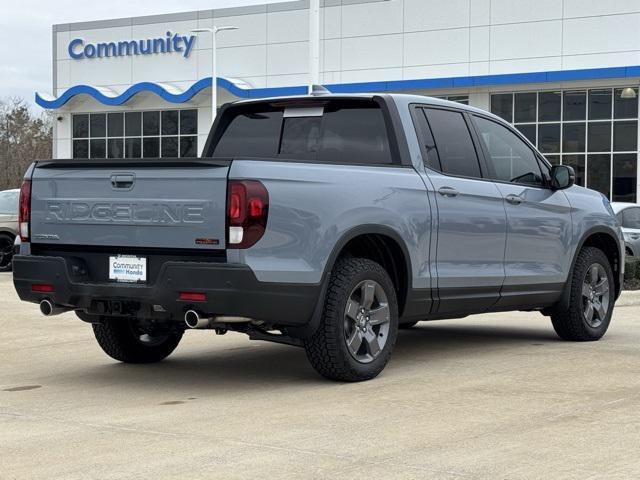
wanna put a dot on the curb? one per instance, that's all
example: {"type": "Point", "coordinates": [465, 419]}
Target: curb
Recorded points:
{"type": "Point", "coordinates": [629, 298]}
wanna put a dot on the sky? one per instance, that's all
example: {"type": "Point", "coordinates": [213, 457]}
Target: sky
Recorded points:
{"type": "Point", "coordinates": [25, 33]}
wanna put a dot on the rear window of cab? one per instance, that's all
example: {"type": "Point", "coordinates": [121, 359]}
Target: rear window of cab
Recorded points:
{"type": "Point", "coordinates": [337, 132]}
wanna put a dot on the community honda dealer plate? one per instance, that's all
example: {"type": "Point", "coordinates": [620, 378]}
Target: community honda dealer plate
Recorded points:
{"type": "Point", "coordinates": [128, 269]}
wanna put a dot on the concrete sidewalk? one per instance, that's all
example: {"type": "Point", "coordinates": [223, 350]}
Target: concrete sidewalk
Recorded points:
{"type": "Point", "coordinates": [629, 298]}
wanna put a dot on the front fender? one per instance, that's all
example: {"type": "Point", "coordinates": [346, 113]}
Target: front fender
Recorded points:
{"type": "Point", "coordinates": [617, 238]}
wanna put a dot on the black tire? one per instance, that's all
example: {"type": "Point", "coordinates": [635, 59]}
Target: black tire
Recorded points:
{"type": "Point", "coordinates": [327, 349]}
{"type": "Point", "coordinates": [120, 340]}
{"type": "Point", "coordinates": [407, 326]}
{"type": "Point", "coordinates": [571, 324]}
{"type": "Point", "coordinates": [6, 252]}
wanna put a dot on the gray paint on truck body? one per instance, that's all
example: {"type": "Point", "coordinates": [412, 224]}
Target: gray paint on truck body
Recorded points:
{"type": "Point", "coordinates": [166, 207]}
{"type": "Point", "coordinates": [313, 206]}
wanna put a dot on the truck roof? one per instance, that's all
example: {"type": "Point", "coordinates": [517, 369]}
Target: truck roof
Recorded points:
{"type": "Point", "coordinates": [400, 99]}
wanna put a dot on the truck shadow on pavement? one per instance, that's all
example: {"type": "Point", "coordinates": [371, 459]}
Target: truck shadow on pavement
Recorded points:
{"type": "Point", "coordinates": [269, 366]}
{"type": "Point", "coordinates": [434, 342]}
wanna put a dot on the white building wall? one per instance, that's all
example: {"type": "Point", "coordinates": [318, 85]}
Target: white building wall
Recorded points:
{"type": "Point", "coordinates": [400, 39]}
{"type": "Point", "coordinates": [362, 41]}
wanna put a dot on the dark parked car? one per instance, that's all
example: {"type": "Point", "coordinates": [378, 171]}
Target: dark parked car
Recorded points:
{"type": "Point", "coordinates": [8, 227]}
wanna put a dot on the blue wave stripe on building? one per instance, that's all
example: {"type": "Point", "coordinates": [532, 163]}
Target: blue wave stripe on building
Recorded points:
{"type": "Point", "coordinates": [382, 86]}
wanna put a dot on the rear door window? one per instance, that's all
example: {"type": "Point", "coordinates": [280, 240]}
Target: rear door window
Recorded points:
{"type": "Point", "coordinates": [453, 143]}
{"type": "Point", "coordinates": [346, 133]}
{"type": "Point", "coordinates": [430, 153]}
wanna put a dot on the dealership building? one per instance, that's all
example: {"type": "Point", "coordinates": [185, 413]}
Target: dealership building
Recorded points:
{"type": "Point", "coordinates": [564, 72]}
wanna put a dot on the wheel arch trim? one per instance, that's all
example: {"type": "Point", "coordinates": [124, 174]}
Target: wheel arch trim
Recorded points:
{"type": "Point", "coordinates": [338, 248]}
{"type": "Point", "coordinates": [368, 229]}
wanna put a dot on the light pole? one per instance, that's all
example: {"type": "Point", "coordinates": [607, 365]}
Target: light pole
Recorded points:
{"type": "Point", "coordinates": [214, 70]}
{"type": "Point", "coordinates": [314, 44]}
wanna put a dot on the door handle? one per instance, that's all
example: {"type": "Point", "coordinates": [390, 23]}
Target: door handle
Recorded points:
{"type": "Point", "coordinates": [448, 192]}
{"type": "Point", "coordinates": [514, 199]}
{"type": "Point", "coordinates": [634, 236]}
{"type": "Point", "coordinates": [122, 181]}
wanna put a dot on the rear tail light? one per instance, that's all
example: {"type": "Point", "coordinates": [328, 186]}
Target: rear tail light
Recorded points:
{"type": "Point", "coordinates": [24, 212]}
{"type": "Point", "coordinates": [247, 212]}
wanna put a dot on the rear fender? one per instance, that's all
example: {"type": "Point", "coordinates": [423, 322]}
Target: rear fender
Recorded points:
{"type": "Point", "coordinates": [311, 327]}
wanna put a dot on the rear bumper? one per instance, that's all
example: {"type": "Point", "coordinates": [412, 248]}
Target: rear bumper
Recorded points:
{"type": "Point", "coordinates": [231, 290]}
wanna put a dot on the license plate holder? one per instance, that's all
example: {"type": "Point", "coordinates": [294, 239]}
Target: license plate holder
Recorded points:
{"type": "Point", "coordinates": [128, 269]}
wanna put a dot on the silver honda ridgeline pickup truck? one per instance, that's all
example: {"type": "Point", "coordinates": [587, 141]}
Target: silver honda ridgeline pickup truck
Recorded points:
{"type": "Point", "coordinates": [326, 222]}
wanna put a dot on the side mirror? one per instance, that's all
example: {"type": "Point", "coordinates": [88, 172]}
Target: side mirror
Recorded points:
{"type": "Point", "coordinates": [562, 176]}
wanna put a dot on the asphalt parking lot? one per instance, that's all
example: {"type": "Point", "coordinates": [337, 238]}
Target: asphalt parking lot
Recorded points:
{"type": "Point", "coordinates": [494, 396]}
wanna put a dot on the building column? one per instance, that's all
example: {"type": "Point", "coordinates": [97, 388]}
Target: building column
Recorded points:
{"type": "Point", "coordinates": [62, 135]}
{"type": "Point", "coordinates": [204, 126]}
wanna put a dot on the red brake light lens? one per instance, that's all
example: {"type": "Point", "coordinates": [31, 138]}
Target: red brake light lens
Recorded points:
{"type": "Point", "coordinates": [235, 203]}
{"type": "Point", "coordinates": [256, 206]}
{"type": "Point", "coordinates": [24, 210]}
{"type": "Point", "coordinates": [247, 213]}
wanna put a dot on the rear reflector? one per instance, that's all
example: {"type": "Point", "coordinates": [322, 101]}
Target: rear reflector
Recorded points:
{"type": "Point", "coordinates": [192, 297]}
{"type": "Point", "coordinates": [42, 288]}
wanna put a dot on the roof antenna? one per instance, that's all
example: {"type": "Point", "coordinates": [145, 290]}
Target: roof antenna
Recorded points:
{"type": "Point", "coordinates": [318, 90]}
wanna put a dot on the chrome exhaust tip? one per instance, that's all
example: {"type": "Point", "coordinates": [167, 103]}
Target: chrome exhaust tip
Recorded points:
{"type": "Point", "coordinates": [48, 309]}
{"type": "Point", "coordinates": [194, 320]}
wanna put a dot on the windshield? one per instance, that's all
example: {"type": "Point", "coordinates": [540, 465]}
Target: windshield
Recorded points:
{"type": "Point", "coordinates": [9, 203]}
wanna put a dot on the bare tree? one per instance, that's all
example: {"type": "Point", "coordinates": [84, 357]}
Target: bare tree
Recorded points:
{"type": "Point", "coordinates": [24, 137]}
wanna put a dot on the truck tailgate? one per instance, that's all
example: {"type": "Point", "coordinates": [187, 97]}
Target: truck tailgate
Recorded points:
{"type": "Point", "coordinates": [168, 203]}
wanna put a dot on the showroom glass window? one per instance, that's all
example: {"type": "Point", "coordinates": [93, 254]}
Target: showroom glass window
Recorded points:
{"type": "Point", "coordinates": [462, 99]}
{"type": "Point", "coordinates": [168, 133]}
{"type": "Point", "coordinates": [593, 130]}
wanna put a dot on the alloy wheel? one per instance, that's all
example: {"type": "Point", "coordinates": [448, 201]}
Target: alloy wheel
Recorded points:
{"type": "Point", "coordinates": [595, 295]}
{"type": "Point", "coordinates": [367, 320]}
